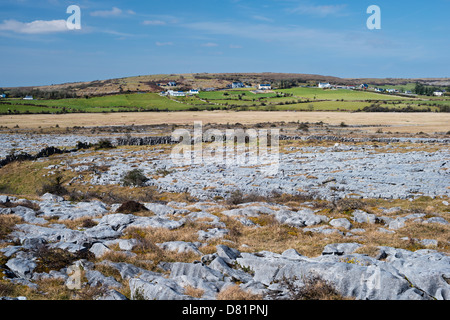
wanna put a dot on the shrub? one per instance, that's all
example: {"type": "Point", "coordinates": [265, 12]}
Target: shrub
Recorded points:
{"type": "Point", "coordinates": [131, 207]}
{"type": "Point", "coordinates": [236, 197]}
{"type": "Point", "coordinates": [104, 144]}
{"type": "Point", "coordinates": [303, 127]}
{"type": "Point", "coordinates": [134, 178]}
{"type": "Point", "coordinates": [348, 204]}
{"type": "Point", "coordinates": [56, 259]}
{"type": "Point", "coordinates": [54, 186]}
{"type": "Point", "coordinates": [313, 288]}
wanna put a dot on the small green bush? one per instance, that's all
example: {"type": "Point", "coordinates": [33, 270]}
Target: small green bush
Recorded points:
{"type": "Point", "coordinates": [54, 186]}
{"type": "Point", "coordinates": [134, 178]}
{"type": "Point", "coordinates": [104, 144]}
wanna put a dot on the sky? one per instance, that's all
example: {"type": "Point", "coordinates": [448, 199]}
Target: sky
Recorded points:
{"type": "Point", "coordinates": [130, 38]}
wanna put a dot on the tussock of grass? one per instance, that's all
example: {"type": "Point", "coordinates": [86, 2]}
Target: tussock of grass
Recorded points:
{"type": "Point", "coordinates": [193, 292]}
{"type": "Point", "coordinates": [7, 225]}
{"type": "Point", "coordinates": [313, 288]}
{"type": "Point", "coordinates": [234, 292]}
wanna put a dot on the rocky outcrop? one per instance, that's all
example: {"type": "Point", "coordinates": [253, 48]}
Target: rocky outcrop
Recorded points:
{"type": "Point", "coordinates": [394, 274]}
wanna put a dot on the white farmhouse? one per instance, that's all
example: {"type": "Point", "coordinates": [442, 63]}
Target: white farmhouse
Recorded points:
{"type": "Point", "coordinates": [265, 87]}
{"type": "Point", "coordinates": [324, 85]}
{"type": "Point", "coordinates": [438, 93]}
{"type": "Point", "coordinates": [176, 93]}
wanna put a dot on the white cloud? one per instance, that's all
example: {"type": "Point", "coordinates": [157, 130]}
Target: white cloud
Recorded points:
{"type": "Point", "coordinates": [154, 23]}
{"type": "Point", "coordinates": [162, 44]}
{"type": "Point", "coordinates": [321, 11]}
{"type": "Point", "coordinates": [262, 18]}
{"type": "Point", "coordinates": [235, 46]}
{"type": "Point", "coordinates": [114, 12]}
{"type": "Point", "coordinates": [34, 27]}
{"type": "Point", "coordinates": [210, 44]}
{"type": "Point", "coordinates": [296, 37]}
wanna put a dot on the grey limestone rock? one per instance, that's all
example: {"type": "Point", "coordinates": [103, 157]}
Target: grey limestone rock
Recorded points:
{"type": "Point", "coordinates": [340, 249]}
{"type": "Point", "coordinates": [180, 247]}
{"type": "Point", "coordinates": [22, 268]}
{"type": "Point", "coordinates": [341, 223]}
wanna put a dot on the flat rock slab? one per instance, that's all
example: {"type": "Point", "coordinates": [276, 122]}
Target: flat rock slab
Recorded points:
{"type": "Point", "coordinates": [180, 247]}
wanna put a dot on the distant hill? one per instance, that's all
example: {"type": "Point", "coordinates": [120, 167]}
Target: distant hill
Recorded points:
{"type": "Point", "coordinates": [157, 83]}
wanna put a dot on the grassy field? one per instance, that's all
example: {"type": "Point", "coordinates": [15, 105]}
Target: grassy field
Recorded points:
{"type": "Point", "coordinates": [320, 94]}
{"type": "Point", "coordinates": [294, 99]}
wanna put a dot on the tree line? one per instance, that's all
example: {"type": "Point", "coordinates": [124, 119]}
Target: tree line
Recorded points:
{"type": "Point", "coordinates": [38, 94]}
{"type": "Point", "coordinates": [424, 90]}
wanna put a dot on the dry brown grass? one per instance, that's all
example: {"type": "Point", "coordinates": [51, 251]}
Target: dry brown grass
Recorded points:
{"type": "Point", "coordinates": [193, 292]}
{"type": "Point", "coordinates": [404, 122]}
{"type": "Point", "coordinates": [313, 288]}
{"type": "Point", "coordinates": [234, 292]}
{"type": "Point", "coordinates": [83, 223]}
{"type": "Point", "coordinates": [148, 254]}
{"type": "Point", "coordinates": [7, 224]}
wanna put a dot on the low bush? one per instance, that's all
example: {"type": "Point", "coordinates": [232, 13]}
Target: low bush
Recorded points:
{"type": "Point", "coordinates": [55, 259]}
{"type": "Point", "coordinates": [131, 207]}
{"type": "Point", "coordinates": [134, 178]}
{"type": "Point", "coordinates": [313, 288]}
{"type": "Point", "coordinates": [104, 144]}
{"type": "Point", "coordinates": [54, 186]}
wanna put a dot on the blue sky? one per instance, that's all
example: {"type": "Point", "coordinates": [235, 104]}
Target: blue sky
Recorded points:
{"type": "Point", "coordinates": [128, 38]}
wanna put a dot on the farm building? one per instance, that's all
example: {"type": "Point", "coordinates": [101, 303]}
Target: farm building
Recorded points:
{"type": "Point", "coordinates": [364, 86]}
{"type": "Point", "coordinates": [324, 85]}
{"type": "Point", "coordinates": [194, 91]}
{"type": "Point", "coordinates": [438, 93]}
{"type": "Point", "coordinates": [392, 90]}
{"type": "Point", "coordinates": [236, 85]}
{"type": "Point", "coordinates": [176, 93]}
{"type": "Point", "coordinates": [2, 95]}
{"type": "Point", "coordinates": [28, 98]}
{"type": "Point", "coordinates": [265, 87]}
{"type": "Point", "coordinates": [172, 84]}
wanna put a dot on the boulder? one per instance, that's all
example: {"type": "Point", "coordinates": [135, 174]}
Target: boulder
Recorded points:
{"type": "Point", "coordinates": [223, 267]}
{"type": "Point", "coordinates": [22, 268]}
{"type": "Point", "coordinates": [156, 222]}
{"type": "Point", "coordinates": [341, 223]}
{"type": "Point", "coordinates": [112, 295]}
{"type": "Point", "coordinates": [373, 282]}
{"type": "Point", "coordinates": [302, 218]}
{"type": "Point", "coordinates": [228, 254]}
{"type": "Point", "coordinates": [211, 233]}
{"type": "Point", "coordinates": [427, 270]}
{"type": "Point", "coordinates": [360, 216]}
{"type": "Point", "coordinates": [4, 199]}
{"type": "Point", "coordinates": [195, 270]}
{"type": "Point", "coordinates": [158, 288]}
{"type": "Point", "coordinates": [439, 220]}
{"type": "Point", "coordinates": [180, 247]}
{"type": "Point", "coordinates": [96, 278]}
{"type": "Point", "coordinates": [340, 249]}
{"type": "Point", "coordinates": [99, 249]}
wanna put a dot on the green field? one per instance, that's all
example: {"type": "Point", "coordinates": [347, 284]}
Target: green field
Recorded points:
{"type": "Point", "coordinates": [352, 95]}
{"type": "Point", "coordinates": [300, 99]}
